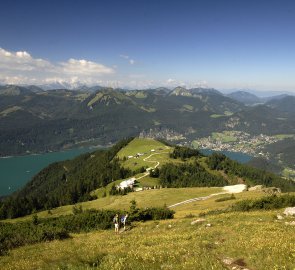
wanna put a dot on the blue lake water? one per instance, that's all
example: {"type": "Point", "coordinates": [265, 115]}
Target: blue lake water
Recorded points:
{"type": "Point", "coordinates": [17, 171]}
{"type": "Point", "coordinates": [240, 157]}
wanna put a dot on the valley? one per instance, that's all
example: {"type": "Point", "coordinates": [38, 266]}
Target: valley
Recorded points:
{"type": "Point", "coordinates": [147, 135]}
{"type": "Point", "coordinates": [207, 222]}
{"type": "Point", "coordinates": [38, 121]}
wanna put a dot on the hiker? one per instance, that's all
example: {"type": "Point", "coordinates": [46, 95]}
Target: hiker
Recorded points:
{"type": "Point", "coordinates": [123, 220]}
{"type": "Point", "coordinates": [116, 223]}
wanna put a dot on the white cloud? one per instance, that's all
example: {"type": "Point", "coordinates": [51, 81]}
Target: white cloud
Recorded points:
{"type": "Point", "coordinates": [84, 67]}
{"type": "Point", "coordinates": [169, 81]}
{"type": "Point", "coordinates": [20, 67]}
{"type": "Point", "coordinates": [21, 61]}
{"type": "Point", "coordinates": [131, 61]}
{"type": "Point", "coordinates": [127, 57]}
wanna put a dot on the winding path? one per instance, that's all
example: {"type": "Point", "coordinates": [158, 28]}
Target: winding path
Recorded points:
{"type": "Point", "coordinates": [157, 162]}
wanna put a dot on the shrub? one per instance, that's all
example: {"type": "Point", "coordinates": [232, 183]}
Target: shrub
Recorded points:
{"type": "Point", "coordinates": [39, 230]}
{"type": "Point", "coordinates": [265, 203]}
{"type": "Point", "coordinates": [226, 198]}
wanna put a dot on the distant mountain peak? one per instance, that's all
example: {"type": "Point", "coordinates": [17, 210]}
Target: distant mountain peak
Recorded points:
{"type": "Point", "coordinates": [14, 90]}
{"type": "Point", "coordinates": [245, 97]}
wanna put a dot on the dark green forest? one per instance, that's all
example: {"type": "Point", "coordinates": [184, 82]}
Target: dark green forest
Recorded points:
{"type": "Point", "coordinates": [251, 175]}
{"type": "Point", "coordinates": [36, 230]}
{"type": "Point", "coordinates": [70, 182]}
{"type": "Point", "coordinates": [66, 182]}
{"type": "Point", "coordinates": [188, 175]}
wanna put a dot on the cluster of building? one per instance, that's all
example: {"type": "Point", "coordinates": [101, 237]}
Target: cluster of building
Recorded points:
{"type": "Point", "coordinates": [244, 143]}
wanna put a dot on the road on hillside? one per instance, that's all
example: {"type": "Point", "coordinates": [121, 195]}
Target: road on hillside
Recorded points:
{"type": "Point", "coordinates": [157, 162]}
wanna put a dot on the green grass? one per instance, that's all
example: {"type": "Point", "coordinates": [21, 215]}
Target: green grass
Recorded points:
{"type": "Point", "coordinates": [226, 113]}
{"type": "Point", "coordinates": [254, 239]}
{"type": "Point", "coordinates": [188, 107]}
{"type": "Point", "coordinates": [148, 109]}
{"type": "Point", "coordinates": [195, 144]}
{"type": "Point", "coordinates": [216, 115]}
{"type": "Point", "coordinates": [147, 198]}
{"type": "Point", "coordinates": [156, 123]}
{"type": "Point", "coordinates": [284, 136]}
{"type": "Point", "coordinates": [139, 145]}
{"type": "Point", "coordinates": [141, 94]}
{"type": "Point", "coordinates": [149, 181]}
{"type": "Point", "coordinates": [288, 173]}
{"type": "Point", "coordinates": [224, 137]}
{"type": "Point", "coordinates": [9, 110]}
{"type": "Point", "coordinates": [144, 146]}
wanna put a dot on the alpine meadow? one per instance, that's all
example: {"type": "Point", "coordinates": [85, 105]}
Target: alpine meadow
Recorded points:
{"type": "Point", "coordinates": [147, 135]}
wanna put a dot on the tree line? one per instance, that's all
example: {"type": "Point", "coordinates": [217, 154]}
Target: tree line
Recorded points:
{"type": "Point", "coordinates": [251, 175]}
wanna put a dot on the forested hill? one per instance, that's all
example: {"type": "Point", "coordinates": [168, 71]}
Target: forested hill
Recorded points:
{"type": "Point", "coordinates": [66, 182]}
{"type": "Point", "coordinates": [33, 120]}
{"type": "Point", "coordinates": [72, 181]}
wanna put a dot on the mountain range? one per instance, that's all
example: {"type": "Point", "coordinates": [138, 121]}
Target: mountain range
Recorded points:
{"type": "Point", "coordinates": [34, 120]}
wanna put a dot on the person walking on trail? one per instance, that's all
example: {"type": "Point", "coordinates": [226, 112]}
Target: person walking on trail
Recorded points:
{"type": "Point", "coordinates": [116, 223]}
{"type": "Point", "coordinates": [123, 220]}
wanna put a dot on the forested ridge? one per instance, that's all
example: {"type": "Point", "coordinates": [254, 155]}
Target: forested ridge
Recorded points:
{"type": "Point", "coordinates": [66, 182]}
{"type": "Point", "coordinates": [193, 174]}
{"type": "Point", "coordinates": [69, 182]}
{"type": "Point", "coordinates": [39, 121]}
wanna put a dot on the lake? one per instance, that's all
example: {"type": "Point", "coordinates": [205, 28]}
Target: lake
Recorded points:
{"type": "Point", "coordinates": [17, 171]}
{"type": "Point", "coordinates": [240, 157]}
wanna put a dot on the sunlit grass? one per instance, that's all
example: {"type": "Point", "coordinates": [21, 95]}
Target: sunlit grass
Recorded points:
{"type": "Point", "coordinates": [254, 238]}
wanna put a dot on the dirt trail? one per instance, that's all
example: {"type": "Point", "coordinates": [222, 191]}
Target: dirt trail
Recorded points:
{"type": "Point", "coordinates": [157, 162]}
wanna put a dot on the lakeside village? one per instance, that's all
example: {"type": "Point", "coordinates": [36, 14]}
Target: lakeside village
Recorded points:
{"type": "Point", "coordinates": [233, 141]}
{"type": "Point", "coordinates": [237, 141]}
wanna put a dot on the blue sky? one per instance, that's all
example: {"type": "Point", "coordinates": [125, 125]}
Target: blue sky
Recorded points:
{"type": "Point", "coordinates": [140, 44]}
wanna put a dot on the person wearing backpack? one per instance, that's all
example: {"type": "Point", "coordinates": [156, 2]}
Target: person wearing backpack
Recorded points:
{"type": "Point", "coordinates": [116, 223]}
{"type": "Point", "coordinates": [123, 220]}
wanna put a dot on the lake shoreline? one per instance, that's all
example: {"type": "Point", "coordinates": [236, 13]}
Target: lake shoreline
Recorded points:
{"type": "Point", "coordinates": [91, 148]}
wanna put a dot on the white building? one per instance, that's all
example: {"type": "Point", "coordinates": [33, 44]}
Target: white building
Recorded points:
{"type": "Point", "coordinates": [127, 183]}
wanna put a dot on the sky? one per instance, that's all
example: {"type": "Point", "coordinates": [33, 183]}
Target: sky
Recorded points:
{"type": "Point", "coordinates": [225, 44]}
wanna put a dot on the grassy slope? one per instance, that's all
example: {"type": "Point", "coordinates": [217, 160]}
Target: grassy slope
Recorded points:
{"type": "Point", "coordinates": [147, 198]}
{"type": "Point", "coordinates": [144, 146]}
{"type": "Point", "coordinates": [255, 238]}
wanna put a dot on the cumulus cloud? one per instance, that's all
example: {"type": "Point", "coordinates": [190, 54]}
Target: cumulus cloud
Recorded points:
{"type": "Point", "coordinates": [21, 61]}
{"type": "Point", "coordinates": [20, 67]}
{"type": "Point", "coordinates": [23, 68]}
{"type": "Point", "coordinates": [83, 67]}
